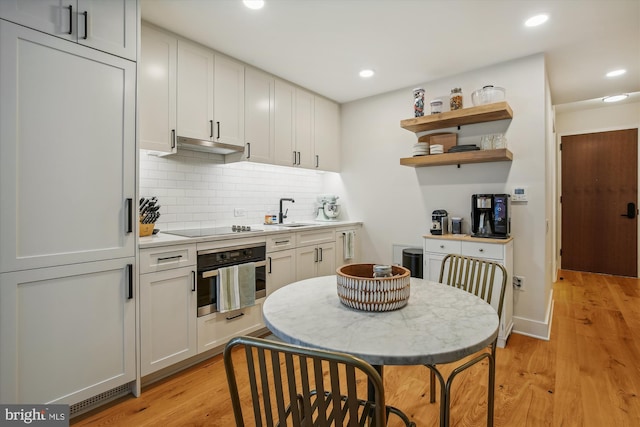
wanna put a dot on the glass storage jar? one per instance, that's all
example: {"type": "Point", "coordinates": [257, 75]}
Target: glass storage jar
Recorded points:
{"type": "Point", "coordinates": [436, 106]}
{"type": "Point", "coordinates": [455, 99]}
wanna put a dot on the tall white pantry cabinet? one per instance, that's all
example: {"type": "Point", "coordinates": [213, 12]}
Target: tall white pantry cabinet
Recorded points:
{"type": "Point", "coordinates": [68, 216]}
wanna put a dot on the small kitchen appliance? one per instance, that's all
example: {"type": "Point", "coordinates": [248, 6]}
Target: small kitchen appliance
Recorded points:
{"type": "Point", "coordinates": [491, 215]}
{"type": "Point", "coordinates": [328, 209]}
{"type": "Point", "coordinates": [439, 222]}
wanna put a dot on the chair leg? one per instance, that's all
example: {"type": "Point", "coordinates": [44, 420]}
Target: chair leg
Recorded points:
{"type": "Point", "coordinates": [432, 384]}
{"type": "Point", "coordinates": [491, 391]}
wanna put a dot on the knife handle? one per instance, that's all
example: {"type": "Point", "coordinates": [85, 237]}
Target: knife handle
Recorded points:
{"type": "Point", "coordinates": [129, 206]}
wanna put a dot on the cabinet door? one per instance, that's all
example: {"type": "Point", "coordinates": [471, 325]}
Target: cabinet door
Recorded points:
{"type": "Point", "coordinates": [67, 333]}
{"type": "Point", "coordinates": [228, 95]}
{"type": "Point", "coordinates": [157, 84]}
{"type": "Point", "coordinates": [306, 260]}
{"type": "Point", "coordinates": [110, 26]}
{"type": "Point", "coordinates": [55, 17]}
{"type": "Point", "coordinates": [284, 118]}
{"type": "Point", "coordinates": [168, 314]}
{"type": "Point", "coordinates": [281, 269]}
{"type": "Point", "coordinates": [327, 134]}
{"type": "Point", "coordinates": [432, 264]}
{"type": "Point", "coordinates": [67, 158]}
{"type": "Point", "coordinates": [340, 235]}
{"type": "Point", "coordinates": [304, 129]}
{"type": "Point", "coordinates": [259, 125]}
{"type": "Point", "coordinates": [195, 91]}
{"type": "Point", "coordinates": [326, 265]}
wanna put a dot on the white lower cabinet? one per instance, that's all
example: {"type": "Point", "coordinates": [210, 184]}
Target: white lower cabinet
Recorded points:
{"type": "Point", "coordinates": [216, 329]}
{"type": "Point", "coordinates": [67, 333]}
{"type": "Point", "coordinates": [341, 248]}
{"type": "Point", "coordinates": [436, 248]}
{"type": "Point", "coordinates": [281, 269]}
{"type": "Point", "coordinates": [315, 260]}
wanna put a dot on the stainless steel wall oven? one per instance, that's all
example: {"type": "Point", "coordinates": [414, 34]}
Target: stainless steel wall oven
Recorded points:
{"type": "Point", "coordinates": [209, 261]}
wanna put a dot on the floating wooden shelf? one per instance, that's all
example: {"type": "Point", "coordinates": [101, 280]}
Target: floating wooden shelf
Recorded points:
{"type": "Point", "coordinates": [479, 156]}
{"type": "Point", "coordinates": [464, 116]}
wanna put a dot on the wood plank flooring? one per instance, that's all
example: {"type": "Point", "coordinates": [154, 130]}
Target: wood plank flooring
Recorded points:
{"type": "Point", "coordinates": [588, 374]}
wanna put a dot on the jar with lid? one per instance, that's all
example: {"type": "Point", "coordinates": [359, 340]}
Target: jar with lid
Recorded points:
{"type": "Point", "coordinates": [382, 271]}
{"type": "Point", "coordinates": [436, 106]}
{"type": "Point", "coordinates": [455, 99]}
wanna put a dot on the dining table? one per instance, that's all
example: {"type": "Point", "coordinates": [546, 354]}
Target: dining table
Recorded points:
{"type": "Point", "coordinates": [439, 324]}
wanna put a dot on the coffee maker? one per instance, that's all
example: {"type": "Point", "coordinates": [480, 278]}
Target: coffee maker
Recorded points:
{"type": "Point", "coordinates": [491, 215]}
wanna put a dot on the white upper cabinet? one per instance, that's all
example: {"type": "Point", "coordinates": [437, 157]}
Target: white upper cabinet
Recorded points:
{"type": "Point", "coordinates": [67, 159]}
{"type": "Point", "coordinates": [259, 124]}
{"type": "Point", "coordinates": [195, 91]}
{"type": "Point", "coordinates": [157, 89]}
{"type": "Point", "coordinates": [210, 95]}
{"type": "Point", "coordinates": [228, 96]}
{"type": "Point", "coordinates": [327, 134]}
{"type": "Point", "coordinates": [304, 135]}
{"type": "Point", "coordinates": [285, 101]}
{"type": "Point", "coordinates": [110, 26]}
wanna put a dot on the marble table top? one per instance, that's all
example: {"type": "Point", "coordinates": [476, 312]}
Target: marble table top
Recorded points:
{"type": "Point", "coordinates": [440, 324]}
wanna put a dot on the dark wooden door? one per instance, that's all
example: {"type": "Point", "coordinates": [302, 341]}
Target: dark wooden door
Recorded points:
{"type": "Point", "coordinates": [599, 180]}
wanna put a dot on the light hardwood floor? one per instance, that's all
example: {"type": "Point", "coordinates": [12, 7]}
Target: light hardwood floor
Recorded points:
{"type": "Point", "coordinates": [588, 374]}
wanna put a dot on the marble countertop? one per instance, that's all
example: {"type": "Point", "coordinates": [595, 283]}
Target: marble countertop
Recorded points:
{"type": "Point", "coordinates": [440, 324]}
{"type": "Point", "coordinates": [164, 239]}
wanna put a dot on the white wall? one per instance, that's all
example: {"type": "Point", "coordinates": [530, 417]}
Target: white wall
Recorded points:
{"type": "Point", "coordinates": [395, 202]}
{"type": "Point", "coordinates": [196, 190]}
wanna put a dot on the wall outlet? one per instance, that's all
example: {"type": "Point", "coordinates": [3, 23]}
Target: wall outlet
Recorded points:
{"type": "Point", "coordinates": [518, 283]}
{"type": "Point", "coordinates": [239, 212]}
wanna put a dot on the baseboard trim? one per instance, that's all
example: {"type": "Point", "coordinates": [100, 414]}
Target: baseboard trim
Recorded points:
{"type": "Point", "coordinates": [535, 328]}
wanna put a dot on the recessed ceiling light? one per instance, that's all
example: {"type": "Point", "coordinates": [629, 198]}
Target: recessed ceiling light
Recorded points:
{"type": "Point", "coordinates": [254, 4]}
{"type": "Point", "coordinates": [616, 73]}
{"type": "Point", "coordinates": [366, 73]}
{"type": "Point", "coordinates": [615, 98]}
{"type": "Point", "coordinates": [534, 21]}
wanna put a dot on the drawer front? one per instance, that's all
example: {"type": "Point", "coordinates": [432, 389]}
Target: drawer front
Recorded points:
{"type": "Point", "coordinates": [167, 257]}
{"type": "Point", "coordinates": [313, 237]}
{"type": "Point", "coordinates": [216, 329]}
{"type": "Point", "coordinates": [442, 246]}
{"type": "Point", "coordinates": [281, 242]}
{"type": "Point", "coordinates": [483, 250]}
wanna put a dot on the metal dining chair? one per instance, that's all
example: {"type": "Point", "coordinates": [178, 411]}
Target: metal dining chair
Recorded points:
{"type": "Point", "coordinates": [479, 277]}
{"type": "Point", "coordinates": [297, 386]}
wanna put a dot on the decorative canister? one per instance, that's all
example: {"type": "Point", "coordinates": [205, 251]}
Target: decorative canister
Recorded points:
{"type": "Point", "coordinates": [455, 99]}
{"type": "Point", "coordinates": [418, 102]}
{"type": "Point", "coordinates": [436, 106]}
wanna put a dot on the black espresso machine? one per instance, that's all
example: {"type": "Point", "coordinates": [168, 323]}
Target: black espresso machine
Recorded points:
{"type": "Point", "coordinates": [491, 215]}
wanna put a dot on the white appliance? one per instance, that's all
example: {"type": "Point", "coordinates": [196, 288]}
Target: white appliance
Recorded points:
{"type": "Point", "coordinates": [328, 209]}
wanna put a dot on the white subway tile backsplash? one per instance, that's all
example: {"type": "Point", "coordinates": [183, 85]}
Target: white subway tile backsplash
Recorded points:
{"type": "Point", "coordinates": [198, 190]}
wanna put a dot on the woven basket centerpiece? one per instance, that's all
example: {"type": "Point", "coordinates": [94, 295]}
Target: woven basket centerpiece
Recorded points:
{"type": "Point", "coordinates": [357, 288]}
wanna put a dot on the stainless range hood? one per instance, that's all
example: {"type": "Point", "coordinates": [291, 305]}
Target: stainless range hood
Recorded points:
{"type": "Point", "coordinates": [208, 146]}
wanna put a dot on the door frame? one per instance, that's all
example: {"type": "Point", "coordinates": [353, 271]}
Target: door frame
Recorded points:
{"type": "Point", "coordinates": [559, 184]}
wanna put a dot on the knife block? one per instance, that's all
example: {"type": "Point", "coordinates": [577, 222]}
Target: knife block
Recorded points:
{"type": "Point", "coordinates": [146, 230]}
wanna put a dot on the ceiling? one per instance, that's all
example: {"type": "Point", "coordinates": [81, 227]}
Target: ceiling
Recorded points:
{"type": "Point", "coordinates": [323, 44]}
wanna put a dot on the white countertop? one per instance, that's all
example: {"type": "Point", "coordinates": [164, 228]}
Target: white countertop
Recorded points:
{"type": "Point", "coordinates": [440, 324]}
{"type": "Point", "coordinates": [164, 239]}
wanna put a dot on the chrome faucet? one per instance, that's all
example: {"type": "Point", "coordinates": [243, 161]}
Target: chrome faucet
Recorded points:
{"type": "Point", "coordinates": [282, 216]}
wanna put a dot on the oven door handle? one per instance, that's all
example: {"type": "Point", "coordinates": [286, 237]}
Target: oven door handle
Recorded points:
{"type": "Point", "coordinates": [213, 273]}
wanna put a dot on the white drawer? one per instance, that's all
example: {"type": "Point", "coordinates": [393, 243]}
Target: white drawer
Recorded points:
{"type": "Point", "coordinates": [216, 329]}
{"type": "Point", "coordinates": [281, 242]}
{"type": "Point", "coordinates": [167, 257]}
{"type": "Point", "coordinates": [483, 250]}
{"type": "Point", "coordinates": [313, 237]}
{"type": "Point", "coordinates": [442, 246]}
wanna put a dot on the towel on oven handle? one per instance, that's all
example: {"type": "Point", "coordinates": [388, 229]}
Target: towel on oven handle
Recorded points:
{"type": "Point", "coordinates": [235, 287]}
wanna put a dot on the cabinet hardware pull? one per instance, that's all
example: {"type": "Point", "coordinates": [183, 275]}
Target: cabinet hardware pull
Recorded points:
{"type": "Point", "coordinates": [213, 273]}
{"type": "Point", "coordinates": [169, 257]}
{"type": "Point", "coordinates": [294, 157]}
{"type": "Point", "coordinates": [441, 246]}
{"type": "Point", "coordinates": [193, 284]}
{"type": "Point", "coordinates": [317, 161]}
{"type": "Point", "coordinates": [248, 150]}
{"type": "Point", "coordinates": [320, 250]}
{"type": "Point", "coordinates": [130, 279]}
{"type": "Point", "coordinates": [269, 265]}
{"type": "Point", "coordinates": [86, 24]}
{"type": "Point", "coordinates": [210, 128]}
{"type": "Point", "coordinates": [129, 205]}
{"type": "Point", "coordinates": [173, 139]}
{"type": "Point", "coordinates": [281, 242]}
{"type": "Point", "coordinates": [299, 157]}
{"type": "Point", "coordinates": [218, 125]}
{"type": "Point", "coordinates": [70, 19]}
{"type": "Point", "coordinates": [481, 250]}
{"type": "Point", "coordinates": [235, 317]}
{"type": "Point", "coordinates": [315, 256]}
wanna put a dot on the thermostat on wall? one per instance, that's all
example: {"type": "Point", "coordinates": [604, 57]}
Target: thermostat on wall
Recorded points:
{"type": "Point", "coordinates": [519, 194]}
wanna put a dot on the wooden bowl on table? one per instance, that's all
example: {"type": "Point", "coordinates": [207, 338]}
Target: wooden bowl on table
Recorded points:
{"type": "Point", "coordinates": [357, 288]}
